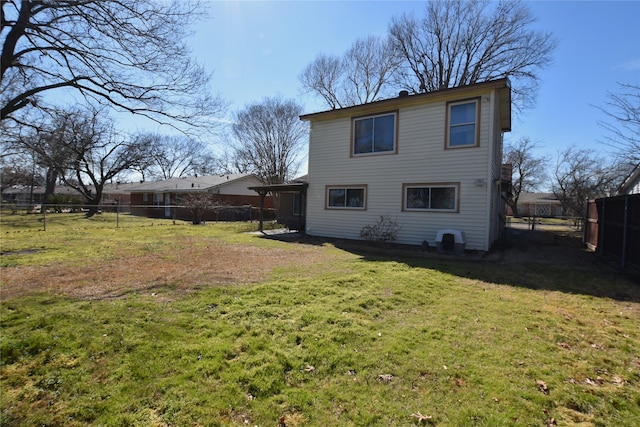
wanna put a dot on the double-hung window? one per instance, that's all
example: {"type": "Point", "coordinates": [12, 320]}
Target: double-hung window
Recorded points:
{"type": "Point", "coordinates": [374, 134]}
{"type": "Point", "coordinates": [430, 197]}
{"type": "Point", "coordinates": [462, 124]}
{"type": "Point", "coordinates": [350, 197]}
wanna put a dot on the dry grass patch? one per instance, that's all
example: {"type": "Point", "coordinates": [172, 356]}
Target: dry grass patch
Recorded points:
{"type": "Point", "coordinates": [180, 268]}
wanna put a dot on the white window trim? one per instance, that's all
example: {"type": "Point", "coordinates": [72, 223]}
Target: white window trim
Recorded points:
{"type": "Point", "coordinates": [454, 185]}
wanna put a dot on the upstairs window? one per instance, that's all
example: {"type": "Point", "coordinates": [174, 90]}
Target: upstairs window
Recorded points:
{"type": "Point", "coordinates": [346, 197]}
{"type": "Point", "coordinates": [374, 134]}
{"type": "Point", "coordinates": [431, 197]}
{"type": "Point", "coordinates": [462, 124]}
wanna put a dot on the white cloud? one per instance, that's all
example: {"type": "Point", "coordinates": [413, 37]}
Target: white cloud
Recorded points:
{"type": "Point", "coordinates": [633, 65]}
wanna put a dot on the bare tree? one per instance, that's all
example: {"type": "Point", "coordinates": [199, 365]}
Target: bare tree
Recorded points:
{"type": "Point", "coordinates": [175, 155]}
{"type": "Point", "coordinates": [363, 74]}
{"type": "Point", "coordinates": [529, 170]}
{"type": "Point", "coordinates": [622, 121]}
{"type": "Point", "coordinates": [458, 43]}
{"type": "Point", "coordinates": [94, 153]}
{"type": "Point", "coordinates": [323, 77]}
{"type": "Point", "coordinates": [269, 137]}
{"type": "Point", "coordinates": [198, 204]}
{"type": "Point", "coordinates": [207, 164]}
{"type": "Point", "coordinates": [582, 174]}
{"type": "Point", "coordinates": [19, 171]}
{"type": "Point", "coordinates": [130, 55]}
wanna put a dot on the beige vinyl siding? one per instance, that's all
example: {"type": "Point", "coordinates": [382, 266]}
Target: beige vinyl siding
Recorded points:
{"type": "Point", "coordinates": [421, 158]}
{"type": "Point", "coordinates": [240, 186]}
{"type": "Point", "coordinates": [496, 222]}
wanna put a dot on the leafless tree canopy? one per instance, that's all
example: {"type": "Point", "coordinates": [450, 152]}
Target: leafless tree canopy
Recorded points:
{"type": "Point", "coordinates": [174, 156]}
{"type": "Point", "coordinates": [529, 170]}
{"type": "Point", "coordinates": [457, 43]}
{"type": "Point", "coordinates": [19, 171]}
{"type": "Point", "coordinates": [581, 174]}
{"type": "Point", "coordinates": [86, 151]}
{"type": "Point", "coordinates": [128, 54]}
{"type": "Point", "coordinates": [269, 137]}
{"type": "Point", "coordinates": [363, 74]}
{"type": "Point", "coordinates": [622, 122]}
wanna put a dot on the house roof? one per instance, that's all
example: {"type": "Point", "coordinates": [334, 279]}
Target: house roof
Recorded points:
{"type": "Point", "coordinates": [502, 85]}
{"type": "Point", "coordinates": [300, 183]}
{"type": "Point", "coordinates": [630, 180]}
{"type": "Point", "coordinates": [303, 178]}
{"type": "Point", "coordinates": [119, 187]}
{"type": "Point", "coordinates": [296, 186]}
{"type": "Point", "coordinates": [191, 183]}
{"type": "Point", "coordinates": [25, 189]}
{"type": "Point", "coordinates": [538, 198]}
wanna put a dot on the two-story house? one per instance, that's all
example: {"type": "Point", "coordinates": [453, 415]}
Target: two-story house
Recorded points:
{"type": "Point", "coordinates": [430, 161]}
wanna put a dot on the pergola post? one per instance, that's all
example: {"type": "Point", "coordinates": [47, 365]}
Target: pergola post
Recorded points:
{"type": "Point", "coordinates": [262, 194]}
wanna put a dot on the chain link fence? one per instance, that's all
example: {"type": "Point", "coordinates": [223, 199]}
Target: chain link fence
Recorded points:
{"type": "Point", "coordinates": [40, 216]}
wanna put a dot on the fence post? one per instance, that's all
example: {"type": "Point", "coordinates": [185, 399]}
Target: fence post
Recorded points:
{"type": "Point", "coordinates": [585, 222]}
{"type": "Point", "coordinates": [601, 226]}
{"type": "Point", "coordinates": [624, 231]}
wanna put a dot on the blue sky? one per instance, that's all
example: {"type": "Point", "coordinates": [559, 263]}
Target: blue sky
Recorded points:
{"type": "Point", "coordinates": [258, 49]}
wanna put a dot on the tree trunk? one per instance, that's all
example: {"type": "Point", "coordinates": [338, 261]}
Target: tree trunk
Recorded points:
{"type": "Point", "coordinates": [93, 203]}
{"type": "Point", "coordinates": [50, 184]}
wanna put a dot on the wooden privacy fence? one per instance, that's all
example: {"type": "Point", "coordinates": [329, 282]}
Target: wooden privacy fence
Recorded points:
{"type": "Point", "coordinates": [612, 228]}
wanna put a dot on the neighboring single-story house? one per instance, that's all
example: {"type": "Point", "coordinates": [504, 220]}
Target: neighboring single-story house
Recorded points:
{"type": "Point", "coordinates": [538, 204]}
{"type": "Point", "coordinates": [24, 195]}
{"type": "Point", "coordinates": [631, 184]}
{"type": "Point", "coordinates": [161, 198]}
{"type": "Point", "coordinates": [430, 162]}
{"type": "Point", "coordinates": [117, 193]}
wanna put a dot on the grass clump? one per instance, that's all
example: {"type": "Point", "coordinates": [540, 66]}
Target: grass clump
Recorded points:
{"type": "Point", "coordinates": [353, 339]}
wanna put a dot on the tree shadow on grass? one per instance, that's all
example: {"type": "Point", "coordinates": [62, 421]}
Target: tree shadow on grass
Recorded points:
{"type": "Point", "coordinates": [545, 260]}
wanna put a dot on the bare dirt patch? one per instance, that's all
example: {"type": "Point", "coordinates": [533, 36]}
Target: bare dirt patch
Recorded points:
{"type": "Point", "coordinates": [164, 274]}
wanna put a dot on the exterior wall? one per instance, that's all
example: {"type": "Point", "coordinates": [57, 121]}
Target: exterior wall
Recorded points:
{"type": "Point", "coordinates": [540, 209]}
{"type": "Point", "coordinates": [289, 210]}
{"type": "Point", "coordinates": [240, 187]}
{"type": "Point", "coordinates": [161, 209]}
{"type": "Point", "coordinates": [497, 205]}
{"type": "Point", "coordinates": [137, 199]}
{"type": "Point", "coordinates": [421, 158]}
{"type": "Point", "coordinates": [634, 188]}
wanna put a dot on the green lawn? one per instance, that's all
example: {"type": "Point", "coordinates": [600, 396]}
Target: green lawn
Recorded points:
{"type": "Point", "coordinates": [355, 338]}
